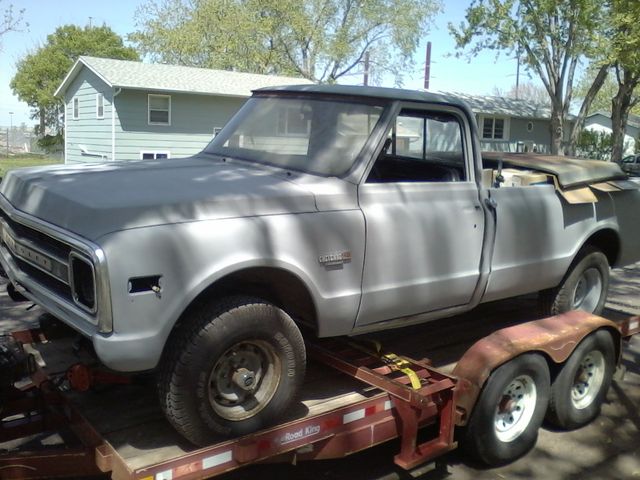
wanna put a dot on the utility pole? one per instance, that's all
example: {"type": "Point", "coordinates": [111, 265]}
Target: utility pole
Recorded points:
{"type": "Point", "coordinates": [427, 67]}
{"type": "Point", "coordinates": [366, 68]}
{"type": "Point", "coordinates": [518, 71]}
{"type": "Point", "coordinates": [90, 19]}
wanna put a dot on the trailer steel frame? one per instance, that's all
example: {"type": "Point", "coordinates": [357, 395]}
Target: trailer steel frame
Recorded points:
{"type": "Point", "coordinates": [397, 409]}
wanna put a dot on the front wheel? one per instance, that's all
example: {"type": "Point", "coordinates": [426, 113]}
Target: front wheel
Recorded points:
{"type": "Point", "coordinates": [505, 421]}
{"type": "Point", "coordinates": [232, 368]}
{"type": "Point", "coordinates": [580, 388]}
{"type": "Point", "coordinates": [584, 287]}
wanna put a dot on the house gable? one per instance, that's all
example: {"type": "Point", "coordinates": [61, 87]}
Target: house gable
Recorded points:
{"type": "Point", "coordinates": [88, 138]}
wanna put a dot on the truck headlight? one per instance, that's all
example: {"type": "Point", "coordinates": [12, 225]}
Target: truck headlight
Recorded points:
{"type": "Point", "coordinates": [82, 279]}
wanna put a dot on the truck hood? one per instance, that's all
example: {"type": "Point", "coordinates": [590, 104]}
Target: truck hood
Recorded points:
{"type": "Point", "coordinates": [93, 200]}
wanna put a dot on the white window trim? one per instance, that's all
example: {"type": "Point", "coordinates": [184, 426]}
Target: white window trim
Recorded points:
{"type": "Point", "coordinates": [154, 153]}
{"type": "Point", "coordinates": [506, 131]}
{"type": "Point", "coordinates": [149, 122]}
{"type": "Point", "coordinates": [75, 112]}
{"type": "Point", "coordinates": [98, 97]}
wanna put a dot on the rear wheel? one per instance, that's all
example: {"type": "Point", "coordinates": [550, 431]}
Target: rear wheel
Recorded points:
{"type": "Point", "coordinates": [584, 287]}
{"type": "Point", "coordinates": [581, 386]}
{"type": "Point", "coordinates": [232, 368]}
{"type": "Point", "coordinates": [505, 421]}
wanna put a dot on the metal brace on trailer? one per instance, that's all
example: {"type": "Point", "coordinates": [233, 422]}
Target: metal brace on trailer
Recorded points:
{"type": "Point", "coordinates": [435, 389]}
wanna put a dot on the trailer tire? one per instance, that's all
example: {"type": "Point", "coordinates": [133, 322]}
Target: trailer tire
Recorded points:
{"type": "Point", "coordinates": [231, 368]}
{"type": "Point", "coordinates": [581, 386]}
{"type": "Point", "coordinates": [505, 421]}
{"type": "Point", "coordinates": [584, 286]}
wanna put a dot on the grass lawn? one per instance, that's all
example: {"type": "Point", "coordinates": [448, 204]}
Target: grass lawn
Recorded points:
{"type": "Point", "coordinates": [25, 160]}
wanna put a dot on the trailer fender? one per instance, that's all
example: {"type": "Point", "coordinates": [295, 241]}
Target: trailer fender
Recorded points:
{"type": "Point", "coordinates": [555, 337]}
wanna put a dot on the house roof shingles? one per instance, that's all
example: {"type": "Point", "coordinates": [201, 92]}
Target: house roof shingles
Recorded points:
{"type": "Point", "coordinates": [632, 120]}
{"type": "Point", "coordinates": [510, 107]}
{"type": "Point", "coordinates": [128, 74]}
{"type": "Point", "coordinates": [174, 78]}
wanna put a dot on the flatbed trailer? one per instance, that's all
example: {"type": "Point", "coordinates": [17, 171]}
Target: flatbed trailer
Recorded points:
{"type": "Point", "coordinates": [120, 431]}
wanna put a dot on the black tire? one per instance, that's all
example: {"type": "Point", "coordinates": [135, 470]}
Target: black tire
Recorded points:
{"type": "Point", "coordinates": [584, 286]}
{"type": "Point", "coordinates": [505, 421]}
{"type": "Point", "coordinates": [14, 294]}
{"type": "Point", "coordinates": [219, 347]}
{"type": "Point", "coordinates": [581, 386]}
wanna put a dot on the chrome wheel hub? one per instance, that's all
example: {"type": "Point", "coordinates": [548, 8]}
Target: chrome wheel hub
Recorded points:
{"type": "Point", "coordinates": [515, 408]}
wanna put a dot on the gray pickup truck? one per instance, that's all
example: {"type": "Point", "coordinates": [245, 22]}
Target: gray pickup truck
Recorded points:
{"type": "Point", "coordinates": [338, 210]}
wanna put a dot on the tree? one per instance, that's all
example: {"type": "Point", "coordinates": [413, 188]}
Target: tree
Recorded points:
{"type": "Point", "coordinates": [525, 91]}
{"type": "Point", "coordinates": [322, 40]}
{"type": "Point", "coordinates": [11, 20]}
{"type": "Point", "coordinates": [595, 145]}
{"type": "Point", "coordinates": [38, 74]}
{"type": "Point", "coordinates": [625, 50]}
{"type": "Point", "coordinates": [553, 35]}
{"type": "Point", "coordinates": [602, 100]}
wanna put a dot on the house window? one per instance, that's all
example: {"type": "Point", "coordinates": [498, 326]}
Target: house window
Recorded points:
{"type": "Point", "coordinates": [99, 105]}
{"type": "Point", "coordinates": [159, 110]}
{"type": "Point", "coordinates": [494, 128]}
{"type": "Point", "coordinates": [152, 155]}
{"type": "Point", "coordinates": [216, 131]}
{"type": "Point", "coordinates": [530, 127]}
{"type": "Point", "coordinates": [76, 108]}
{"type": "Point", "coordinates": [293, 122]}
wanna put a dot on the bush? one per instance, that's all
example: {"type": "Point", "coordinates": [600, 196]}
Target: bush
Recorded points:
{"type": "Point", "coordinates": [51, 143]}
{"type": "Point", "coordinates": [596, 145]}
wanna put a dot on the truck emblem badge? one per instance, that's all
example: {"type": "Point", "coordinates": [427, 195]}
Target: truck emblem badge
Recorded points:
{"type": "Point", "coordinates": [336, 258]}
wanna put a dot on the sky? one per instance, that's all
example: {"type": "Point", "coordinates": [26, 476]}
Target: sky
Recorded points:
{"type": "Point", "coordinates": [480, 75]}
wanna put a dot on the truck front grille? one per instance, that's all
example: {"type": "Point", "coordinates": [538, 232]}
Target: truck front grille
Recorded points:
{"type": "Point", "coordinates": [50, 262]}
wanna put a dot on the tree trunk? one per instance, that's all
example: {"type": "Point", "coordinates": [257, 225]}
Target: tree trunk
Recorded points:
{"type": "Point", "coordinates": [577, 127]}
{"type": "Point", "coordinates": [555, 130]}
{"type": "Point", "coordinates": [41, 130]}
{"type": "Point", "coordinates": [620, 106]}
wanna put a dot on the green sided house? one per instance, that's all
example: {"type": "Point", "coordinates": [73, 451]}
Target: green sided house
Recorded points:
{"type": "Point", "coordinates": [123, 110]}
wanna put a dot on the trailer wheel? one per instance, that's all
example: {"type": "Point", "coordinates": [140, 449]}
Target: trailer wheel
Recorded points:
{"type": "Point", "coordinates": [584, 286]}
{"type": "Point", "coordinates": [581, 386]}
{"type": "Point", "coordinates": [232, 368]}
{"type": "Point", "coordinates": [511, 407]}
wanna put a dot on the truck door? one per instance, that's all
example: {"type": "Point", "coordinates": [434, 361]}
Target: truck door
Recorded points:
{"type": "Point", "coordinates": [424, 221]}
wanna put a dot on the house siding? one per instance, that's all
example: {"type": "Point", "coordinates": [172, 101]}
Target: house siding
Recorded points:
{"type": "Point", "coordinates": [539, 135]}
{"type": "Point", "coordinates": [538, 138]}
{"type": "Point", "coordinates": [193, 118]}
{"type": "Point", "coordinates": [602, 123]}
{"type": "Point", "coordinates": [87, 132]}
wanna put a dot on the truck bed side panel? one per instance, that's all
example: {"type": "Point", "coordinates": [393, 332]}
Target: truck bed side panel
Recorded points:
{"type": "Point", "coordinates": [538, 235]}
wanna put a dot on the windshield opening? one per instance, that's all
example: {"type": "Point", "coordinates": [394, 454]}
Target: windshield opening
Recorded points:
{"type": "Point", "coordinates": [322, 137]}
